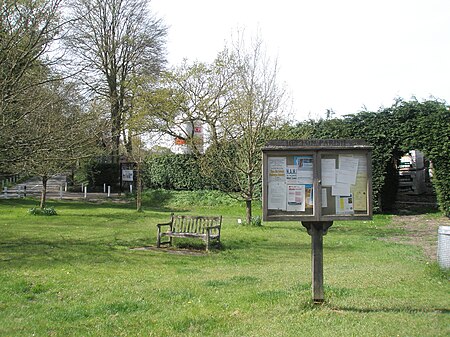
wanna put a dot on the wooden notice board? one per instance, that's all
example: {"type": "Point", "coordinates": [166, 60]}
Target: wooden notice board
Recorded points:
{"type": "Point", "coordinates": [317, 180]}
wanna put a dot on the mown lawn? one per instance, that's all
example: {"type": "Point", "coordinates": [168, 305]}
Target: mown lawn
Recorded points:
{"type": "Point", "coordinates": [76, 274]}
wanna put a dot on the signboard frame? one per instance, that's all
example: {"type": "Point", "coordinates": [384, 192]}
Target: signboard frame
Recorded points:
{"type": "Point", "coordinates": [338, 152]}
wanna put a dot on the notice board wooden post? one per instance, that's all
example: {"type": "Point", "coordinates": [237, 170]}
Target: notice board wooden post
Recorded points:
{"type": "Point", "coordinates": [317, 230]}
{"type": "Point", "coordinates": [317, 182]}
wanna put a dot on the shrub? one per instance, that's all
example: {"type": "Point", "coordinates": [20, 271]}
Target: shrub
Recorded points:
{"type": "Point", "coordinates": [255, 221]}
{"type": "Point", "coordinates": [48, 211]}
{"type": "Point", "coordinates": [173, 172]}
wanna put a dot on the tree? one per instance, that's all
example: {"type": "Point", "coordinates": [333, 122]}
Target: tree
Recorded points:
{"type": "Point", "coordinates": [27, 30]}
{"type": "Point", "coordinates": [186, 96]}
{"type": "Point", "coordinates": [239, 100]}
{"type": "Point", "coordinates": [254, 111]}
{"type": "Point", "coordinates": [62, 131]}
{"type": "Point", "coordinates": [113, 41]}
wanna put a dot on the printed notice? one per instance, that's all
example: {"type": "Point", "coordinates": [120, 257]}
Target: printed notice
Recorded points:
{"type": "Point", "coordinates": [304, 169]}
{"type": "Point", "coordinates": [348, 167]}
{"type": "Point", "coordinates": [328, 172]}
{"type": "Point", "coordinates": [324, 198]}
{"type": "Point", "coordinates": [296, 198]}
{"type": "Point", "coordinates": [291, 175]}
{"type": "Point", "coordinates": [277, 168]}
{"type": "Point", "coordinates": [344, 204]}
{"type": "Point", "coordinates": [309, 196]}
{"type": "Point", "coordinates": [359, 191]}
{"type": "Point", "coordinates": [276, 195]}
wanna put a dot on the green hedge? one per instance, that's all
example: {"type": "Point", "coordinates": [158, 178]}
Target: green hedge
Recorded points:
{"type": "Point", "coordinates": [173, 172]}
{"type": "Point", "coordinates": [426, 127]}
{"type": "Point", "coordinates": [392, 131]}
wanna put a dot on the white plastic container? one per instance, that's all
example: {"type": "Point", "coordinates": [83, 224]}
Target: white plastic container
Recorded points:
{"type": "Point", "coordinates": [443, 253]}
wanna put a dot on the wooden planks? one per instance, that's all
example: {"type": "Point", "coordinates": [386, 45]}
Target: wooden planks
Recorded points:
{"type": "Point", "coordinates": [189, 226]}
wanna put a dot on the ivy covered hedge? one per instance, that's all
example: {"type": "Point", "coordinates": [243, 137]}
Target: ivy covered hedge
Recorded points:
{"type": "Point", "coordinates": [426, 126]}
{"type": "Point", "coordinates": [393, 131]}
{"type": "Point", "coordinates": [173, 172]}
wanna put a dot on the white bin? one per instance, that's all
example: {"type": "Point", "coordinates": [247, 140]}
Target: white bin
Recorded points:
{"type": "Point", "coordinates": [443, 253]}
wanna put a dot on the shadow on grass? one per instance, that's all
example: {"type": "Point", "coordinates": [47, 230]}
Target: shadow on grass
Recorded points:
{"type": "Point", "coordinates": [34, 252]}
{"type": "Point", "coordinates": [152, 205]}
{"type": "Point", "coordinates": [69, 204]}
{"type": "Point", "coordinates": [353, 309]}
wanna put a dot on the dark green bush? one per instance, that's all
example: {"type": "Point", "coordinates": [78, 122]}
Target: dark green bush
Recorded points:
{"type": "Point", "coordinates": [173, 172]}
{"type": "Point", "coordinates": [102, 173]}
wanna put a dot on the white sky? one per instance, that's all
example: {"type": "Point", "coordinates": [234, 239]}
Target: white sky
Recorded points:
{"type": "Point", "coordinates": [333, 54]}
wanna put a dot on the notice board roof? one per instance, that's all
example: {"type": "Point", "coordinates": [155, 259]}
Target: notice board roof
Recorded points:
{"type": "Point", "coordinates": [316, 144]}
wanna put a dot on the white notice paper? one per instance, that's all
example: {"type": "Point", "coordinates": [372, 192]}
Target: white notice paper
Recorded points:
{"type": "Point", "coordinates": [340, 189]}
{"type": "Point", "coordinates": [328, 172]}
{"type": "Point", "coordinates": [276, 195]}
{"type": "Point", "coordinates": [291, 174]}
{"type": "Point", "coordinates": [324, 198]}
{"type": "Point", "coordinates": [348, 167]}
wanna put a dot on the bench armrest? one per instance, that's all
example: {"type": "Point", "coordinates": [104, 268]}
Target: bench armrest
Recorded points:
{"type": "Point", "coordinates": [164, 224]}
{"type": "Point", "coordinates": [213, 227]}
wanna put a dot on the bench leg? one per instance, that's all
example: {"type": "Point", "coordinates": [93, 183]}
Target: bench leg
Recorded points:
{"type": "Point", "coordinates": [158, 238]}
{"type": "Point", "coordinates": [207, 241]}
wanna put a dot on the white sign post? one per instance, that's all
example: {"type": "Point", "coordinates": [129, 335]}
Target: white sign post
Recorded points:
{"type": "Point", "coordinates": [127, 175]}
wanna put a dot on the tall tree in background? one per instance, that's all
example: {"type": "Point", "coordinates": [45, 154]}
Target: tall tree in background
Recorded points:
{"type": "Point", "coordinates": [186, 96]}
{"type": "Point", "coordinates": [113, 41]}
{"type": "Point", "coordinates": [256, 102]}
{"type": "Point", "coordinates": [27, 30]}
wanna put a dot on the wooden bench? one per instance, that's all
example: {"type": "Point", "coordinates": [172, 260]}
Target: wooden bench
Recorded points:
{"type": "Point", "coordinates": [188, 226]}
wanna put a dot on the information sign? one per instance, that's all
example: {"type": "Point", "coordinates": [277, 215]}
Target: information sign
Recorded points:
{"type": "Point", "coordinates": [317, 180]}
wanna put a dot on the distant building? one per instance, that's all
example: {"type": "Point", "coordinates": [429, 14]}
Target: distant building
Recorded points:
{"type": "Point", "coordinates": [194, 130]}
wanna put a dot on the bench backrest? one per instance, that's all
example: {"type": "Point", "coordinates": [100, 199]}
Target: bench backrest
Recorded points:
{"type": "Point", "coordinates": [195, 224]}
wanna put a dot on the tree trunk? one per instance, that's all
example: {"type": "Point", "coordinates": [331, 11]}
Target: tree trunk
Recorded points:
{"type": "Point", "coordinates": [127, 140]}
{"type": "Point", "coordinates": [116, 123]}
{"type": "Point", "coordinates": [43, 192]}
{"type": "Point", "coordinates": [138, 187]}
{"type": "Point", "coordinates": [249, 194]}
{"type": "Point", "coordinates": [248, 204]}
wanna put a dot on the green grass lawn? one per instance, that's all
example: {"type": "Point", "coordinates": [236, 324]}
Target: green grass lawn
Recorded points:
{"type": "Point", "coordinates": [75, 274]}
